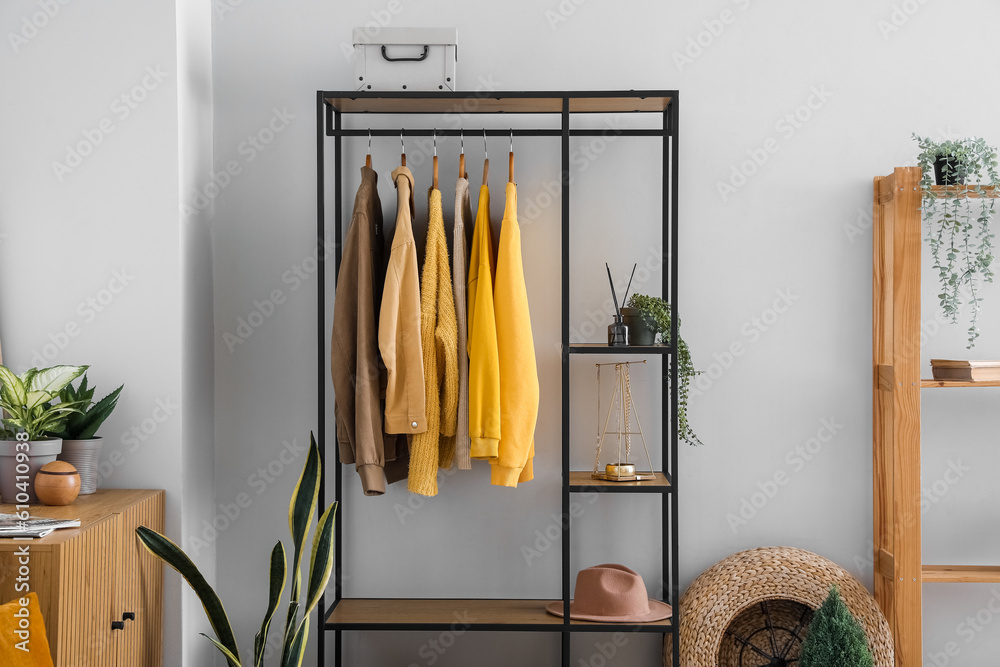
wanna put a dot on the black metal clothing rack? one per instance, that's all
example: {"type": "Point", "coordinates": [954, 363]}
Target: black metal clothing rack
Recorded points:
{"type": "Point", "coordinates": [508, 615]}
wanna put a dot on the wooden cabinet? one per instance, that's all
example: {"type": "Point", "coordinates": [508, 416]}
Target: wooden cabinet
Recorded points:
{"type": "Point", "coordinates": [94, 576]}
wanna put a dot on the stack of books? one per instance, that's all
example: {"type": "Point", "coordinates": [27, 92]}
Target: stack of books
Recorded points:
{"type": "Point", "coordinates": [13, 526]}
{"type": "Point", "coordinates": [965, 370]}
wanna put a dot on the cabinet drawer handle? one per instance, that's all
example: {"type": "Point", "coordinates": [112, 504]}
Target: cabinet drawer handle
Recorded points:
{"type": "Point", "coordinates": [128, 616]}
{"type": "Point", "coordinates": [117, 625]}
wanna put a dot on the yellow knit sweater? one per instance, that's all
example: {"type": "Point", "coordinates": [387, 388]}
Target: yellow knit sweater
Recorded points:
{"type": "Point", "coordinates": [439, 344]}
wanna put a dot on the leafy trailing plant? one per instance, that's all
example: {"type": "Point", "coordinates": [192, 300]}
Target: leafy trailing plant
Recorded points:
{"type": "Point", "coordinates": [835, 638]}
{"type": "Point", "coordinates": [296, 633]}
{"type": "Point", "coordinates": [83, 425]}
{"type": "Point", "coordinates": [656, 314]}
{"type": "Point", "coordinates": [27, 400]}
{"type": "Point", "coordinates": [958, 230]}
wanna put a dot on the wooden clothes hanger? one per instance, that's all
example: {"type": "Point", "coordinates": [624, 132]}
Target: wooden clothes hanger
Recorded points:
{"type": "Point", "coordinates": [461, 160]}
{"type": "Point", "coordinates": [435, 186]}
{"type": "Point", "coordinates": [486, 162]}
{"type": "Point", "coordinates": [510, 159]}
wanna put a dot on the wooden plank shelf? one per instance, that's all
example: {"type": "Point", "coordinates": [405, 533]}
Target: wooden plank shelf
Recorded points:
{"type": "Point", "coordinates": [964, 191]}
{"type": "Point", "coordinates": [580, 481]}
{"type": "Point", "coordinates": [961, 574]}
{"type": "Point", "coordinates": [482, 615]}
{"type": "Point", "coordinates": [929, 383]}
{"type": "Point", "coordinates": [604, 348]}
{"type": "Point", "coordinates": [532, 102]}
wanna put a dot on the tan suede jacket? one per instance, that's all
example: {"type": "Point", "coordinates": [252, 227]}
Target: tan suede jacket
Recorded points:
{"type": "Point", "coordinates": [358, 374]}
{"type": "Point", "coordinates": [399, 322]}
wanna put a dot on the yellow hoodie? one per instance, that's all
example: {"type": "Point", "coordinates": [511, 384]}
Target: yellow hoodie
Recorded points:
{"type": "Point", "coordinates": [439, 343]}
{"type": "Point", "coordinates": [484, 360]}
{"type": "Point", "coordinates": [516, 348]}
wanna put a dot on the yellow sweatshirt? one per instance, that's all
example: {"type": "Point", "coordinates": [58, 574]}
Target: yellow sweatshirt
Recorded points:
{"type": "Point", "coordinates": [484, 360]}
{"type": "Point", "coordinates": [518, 372]}
{"type": "Point", "coordinates": [439, 344]}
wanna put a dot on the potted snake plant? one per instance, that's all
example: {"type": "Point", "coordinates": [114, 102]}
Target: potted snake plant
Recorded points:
{"type": "Point", "coordinates": [29, 416]}
{"type": "Point", "coordinates": [296, 631]}
{"type": "Point", "coordinates": [81, 446]}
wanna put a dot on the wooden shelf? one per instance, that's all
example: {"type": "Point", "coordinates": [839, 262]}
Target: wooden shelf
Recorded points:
{"type": "Point", "coordinates": [480, 615]}
{"type": "Point", "coordinates": [928, 383]}
{"type": "Point", "coordinates": [593, 626]}
{"type": "Point", "coordinates": [580, 480]}
{"type": "Point", "coordinates": [534, 102]}
{"type": "Point", "coordinates": [963, 191]}
{"type": "Point", "coordinates": [604, 348]}
{"type": "Point", "coordinates": [956, 574]}
{"type": "Point", "coordinates": [379, 613]}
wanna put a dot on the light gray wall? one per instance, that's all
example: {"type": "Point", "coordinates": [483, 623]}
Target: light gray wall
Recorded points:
{"type": "Point", "coordinates": [787, 231]}
{"type": "Point", "coordinates": [798, 227]}
{"type": "Point", "coordinates": [97, 267]}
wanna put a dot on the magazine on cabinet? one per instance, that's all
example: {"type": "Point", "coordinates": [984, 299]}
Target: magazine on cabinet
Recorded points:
{"type": "Point", "coordinates": [14, 525]}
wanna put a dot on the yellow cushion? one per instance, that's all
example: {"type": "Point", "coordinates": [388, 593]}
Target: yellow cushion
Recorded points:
{"type": "Point", "coordinates": [22, 634]}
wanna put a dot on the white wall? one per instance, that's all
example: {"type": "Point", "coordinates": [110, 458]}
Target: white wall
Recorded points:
{"type": "Point", "coordinates": [799, 226]}
{"type": "Point", "coordinates": [788, 230]}
{"type": "Point", "coordinates": [96, 266]}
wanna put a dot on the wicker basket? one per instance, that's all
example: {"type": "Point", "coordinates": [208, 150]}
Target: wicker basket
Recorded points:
{"type": "Point", "coordinates": [726, 611]}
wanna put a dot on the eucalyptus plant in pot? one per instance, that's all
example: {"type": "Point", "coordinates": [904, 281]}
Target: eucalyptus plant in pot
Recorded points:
{"type": "Point", "coordinates": [648, 317]}
{"type": "Point", "coordinates": [29, 415]}
{"type": "Point", "coordinates": [958, 219]}
{"type": "Point", "coordinates": [80, 445]}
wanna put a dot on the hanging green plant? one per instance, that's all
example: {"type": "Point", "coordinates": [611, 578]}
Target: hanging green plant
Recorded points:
{"type": "Point", "coordinates": [656, 314]}
{"type": "Point", "coordinates": [958, 228]}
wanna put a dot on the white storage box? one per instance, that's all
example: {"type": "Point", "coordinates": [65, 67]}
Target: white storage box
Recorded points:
{"type": "Point", "coordinates": [405, 58]}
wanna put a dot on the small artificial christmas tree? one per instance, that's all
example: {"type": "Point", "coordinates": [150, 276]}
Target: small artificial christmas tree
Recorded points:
{"type": "Point", "coordinates": [835, 638]}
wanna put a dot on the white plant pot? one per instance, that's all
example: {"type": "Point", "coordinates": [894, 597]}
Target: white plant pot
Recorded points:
{"type": "Point", "coordinates": [17, 477]}
{"type": "Point", "coordinates": [84, 455]}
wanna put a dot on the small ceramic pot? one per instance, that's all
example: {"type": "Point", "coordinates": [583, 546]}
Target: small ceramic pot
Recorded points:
{"type": "Point", "coordinates": [638, 329]}
{"type": "Point", "coordinates": [57, 483]}
{"type": "Point", "coordinates": [84, 455]}
{"type": "Point", "coordinates": [940, 178]}
{"type": "Point", "coordinates": [18, 468]}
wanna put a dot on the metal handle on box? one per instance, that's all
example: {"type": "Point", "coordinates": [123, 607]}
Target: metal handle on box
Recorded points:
{"type": "Point", "coordinates": [422, 56]}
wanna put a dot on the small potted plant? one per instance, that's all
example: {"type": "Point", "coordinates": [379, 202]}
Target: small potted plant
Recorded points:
{"type": "Point", "coordinates": [954, 162]}
{"type": "Point", "coordinates": [80, 444]}
{"type": "Point", "coordinates": [648, 317]}
{"type": "Point", "coordinates": [836, 638]}
{"type": "Point", "coordinates": [29, 415]}
{"type": "Point", "coordinates": [959, 232]}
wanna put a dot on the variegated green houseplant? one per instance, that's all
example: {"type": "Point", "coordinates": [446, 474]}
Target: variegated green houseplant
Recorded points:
{"type": "Point", "coordinates": [296, 631]}
{"type": "Point", "coordinates": [28, 416]}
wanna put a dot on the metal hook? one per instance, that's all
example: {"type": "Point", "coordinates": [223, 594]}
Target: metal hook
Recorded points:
{"type": "Point", "coordinates": [434, 133]}
{"type": "Point", "coordinates": [369, 141]}
{"type": "Point", "coordinates": [485, 149]}
{"type": "Point", "coordinates": [401, 145]}
{"type": "Point", "coordinates": [463, 140]}
{"type": "Point", "coordinates": [511, 139]}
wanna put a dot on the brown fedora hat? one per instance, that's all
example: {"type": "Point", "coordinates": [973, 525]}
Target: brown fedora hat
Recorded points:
{"type": "Point", "coordinates": [612, 594]}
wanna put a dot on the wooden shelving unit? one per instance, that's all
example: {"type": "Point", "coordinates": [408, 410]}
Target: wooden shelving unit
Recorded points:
{"type": "Point", "coordinates": [500, 615]}
{"type": "Point", "coordinates": [899, 572]}
{"type": "Point", "coordinates": [930, 383]}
